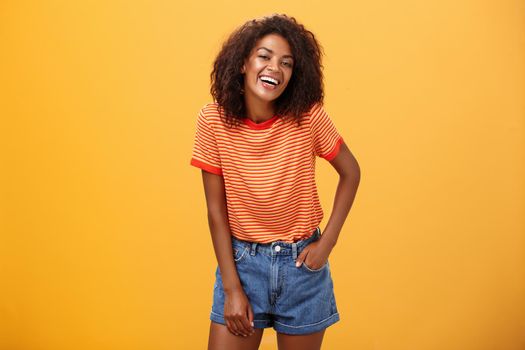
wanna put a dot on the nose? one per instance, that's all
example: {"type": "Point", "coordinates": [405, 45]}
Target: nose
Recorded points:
{"type": "Point", "coordinates": [271, 66]}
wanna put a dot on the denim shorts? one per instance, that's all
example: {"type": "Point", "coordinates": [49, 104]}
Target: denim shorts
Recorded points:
{"type": "Point", "coordinates": [292, 300]}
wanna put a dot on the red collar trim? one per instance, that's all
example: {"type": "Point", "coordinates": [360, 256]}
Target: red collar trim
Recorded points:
{"type": "Point", "coordinates": [263, 125]}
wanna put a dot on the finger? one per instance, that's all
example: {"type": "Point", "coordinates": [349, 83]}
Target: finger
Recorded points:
{"type": "Point", "coordinates": [245, 321]}
{"type": "Point", "coordinates": [235, 327]}
{"type": "Point", "coordinates": [240, 328]}
{"type": "Point", "coordinates": [301, 258]}
{"type": "Point", "coordinates": [250, 318]}
{"type": "Point", "coordinates": [230, 327]}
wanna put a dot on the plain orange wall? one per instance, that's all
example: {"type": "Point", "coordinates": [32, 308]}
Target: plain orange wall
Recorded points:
{"type": "Point", "coordinates": [104, 238]}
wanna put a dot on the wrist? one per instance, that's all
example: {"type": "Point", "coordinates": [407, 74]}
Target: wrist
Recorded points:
{"type": "Point", "coordinates": [232, 289]}
{"type": "Point", "coordinates": [327, 241]}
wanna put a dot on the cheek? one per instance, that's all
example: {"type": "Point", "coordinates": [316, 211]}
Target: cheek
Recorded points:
{"type": "Point", "coordinates": [288, 78]}
{"type": "Point", "coordinates": [255, 69]}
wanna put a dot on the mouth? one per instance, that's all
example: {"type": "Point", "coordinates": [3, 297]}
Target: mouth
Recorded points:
{"type": "Point", "coordinates": [269, 82]}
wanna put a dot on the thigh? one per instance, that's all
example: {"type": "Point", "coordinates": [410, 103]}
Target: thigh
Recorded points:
{"type": "Point", "coordinates": [310, 341]}
{"type": "Point", "coordinates": [221, 338]}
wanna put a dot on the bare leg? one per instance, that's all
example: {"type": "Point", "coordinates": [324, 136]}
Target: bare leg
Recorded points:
{"type": "Point", "coordinates": [310, 341]}
{"type": "Point", "coordinates": [222, 339]}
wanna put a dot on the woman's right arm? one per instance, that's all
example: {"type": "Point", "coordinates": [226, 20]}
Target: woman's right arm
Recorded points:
{"type": "Point", "coordinates": [237, 303]}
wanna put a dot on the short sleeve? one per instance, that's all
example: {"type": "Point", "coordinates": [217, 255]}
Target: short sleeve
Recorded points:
{"type": "Point", "coordinates": [326, 139]}
{"type": "Point", "coordinates": [205, 154]}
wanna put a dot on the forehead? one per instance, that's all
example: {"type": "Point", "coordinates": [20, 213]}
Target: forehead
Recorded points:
{"type": "Point", "coordinates": [275, 44]}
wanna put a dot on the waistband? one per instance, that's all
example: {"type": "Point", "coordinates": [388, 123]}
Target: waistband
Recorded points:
{"type": "Point", "coordinates": [280, 247]}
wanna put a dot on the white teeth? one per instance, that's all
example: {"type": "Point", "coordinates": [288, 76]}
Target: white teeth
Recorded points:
{"type": "Point", "coordinates": [265, 78]}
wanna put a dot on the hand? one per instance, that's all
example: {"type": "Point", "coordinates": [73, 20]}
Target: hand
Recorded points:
{"type": "Point", "coordinates": [238, 313]}
{"type": "Point", "coordinates": [316, 253]}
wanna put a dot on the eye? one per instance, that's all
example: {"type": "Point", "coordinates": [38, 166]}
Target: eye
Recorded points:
{"type": "Point", "coordinates": [262, 56]}
{"type": "Point", "coordinates": [287, 64]}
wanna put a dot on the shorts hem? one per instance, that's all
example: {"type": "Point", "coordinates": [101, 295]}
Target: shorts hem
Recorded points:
{"type": "Point", "coordinates": [309, 328]}
{"type": "Point", "coordinates": [256, 323]}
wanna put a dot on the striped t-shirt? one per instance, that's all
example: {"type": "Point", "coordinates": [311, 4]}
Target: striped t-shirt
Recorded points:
{"type": "Point", "coordinates": [268, 170]}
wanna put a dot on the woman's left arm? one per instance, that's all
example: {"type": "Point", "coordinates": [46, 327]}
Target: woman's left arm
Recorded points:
{"type": "Point", "coordinates": [349, 176]}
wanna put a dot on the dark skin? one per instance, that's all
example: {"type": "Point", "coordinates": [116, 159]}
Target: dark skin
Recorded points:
{"type": "Point", "coordinates": [237, 309]}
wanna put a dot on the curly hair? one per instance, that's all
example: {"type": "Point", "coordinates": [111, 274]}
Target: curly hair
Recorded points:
{"type": "Point", "coordinates": [305, 87]}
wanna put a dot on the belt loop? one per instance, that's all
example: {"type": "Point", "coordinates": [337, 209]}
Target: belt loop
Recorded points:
{"type": "Point", "coordinates": [254, 246]}
{"type": "Point", "coordinates": [294, 250]}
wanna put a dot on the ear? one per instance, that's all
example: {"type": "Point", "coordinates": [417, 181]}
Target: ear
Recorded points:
{"type": "Point", "coordinates": [243, 69]}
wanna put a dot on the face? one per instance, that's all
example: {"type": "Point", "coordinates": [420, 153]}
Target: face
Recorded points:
{"type": "Point", "coordinates": [270, 58]}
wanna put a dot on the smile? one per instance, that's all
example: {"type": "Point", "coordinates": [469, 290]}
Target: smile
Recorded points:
{"type": "Point", "coordinates": [269, 83]}
{"type": "Point", "coordinates": [269, 80]}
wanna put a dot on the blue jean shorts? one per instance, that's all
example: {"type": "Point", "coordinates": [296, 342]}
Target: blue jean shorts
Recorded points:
{"type": "Point", "coordinates": [292, 300]}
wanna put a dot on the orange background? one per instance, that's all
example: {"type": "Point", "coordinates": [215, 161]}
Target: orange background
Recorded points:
{"type": "Point", "coordinates": [104, 238]}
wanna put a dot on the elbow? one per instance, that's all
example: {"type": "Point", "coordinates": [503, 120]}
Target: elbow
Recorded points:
{"type": "Point", "coordinates": [356, 170]}
{"type": "Point", "coordinates": [352, 169]}
{"type": "Point", "coordinates": [213, 213]}
{"type": "Point", "coordinates": [355, 175]}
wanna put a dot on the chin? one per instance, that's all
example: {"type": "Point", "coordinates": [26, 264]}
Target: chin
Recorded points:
{"type": "Point", "coordinates": [268, 97]}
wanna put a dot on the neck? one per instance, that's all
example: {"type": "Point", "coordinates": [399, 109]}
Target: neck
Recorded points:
{"type": "Point", "coordinates": [257, 110]}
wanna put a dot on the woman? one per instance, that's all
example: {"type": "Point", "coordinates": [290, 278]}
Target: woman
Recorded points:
{"type": "Point", "coordinates": [256, 145]}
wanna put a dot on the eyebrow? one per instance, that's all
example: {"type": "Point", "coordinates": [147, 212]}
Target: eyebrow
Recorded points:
{"type": "Point", "coordinates": [262, 47]}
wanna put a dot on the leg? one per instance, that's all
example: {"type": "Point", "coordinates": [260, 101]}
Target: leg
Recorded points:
{"type": "Point", "coordinates": [221, 339]}
{"type": "Point", "coordinates": [310, 341]}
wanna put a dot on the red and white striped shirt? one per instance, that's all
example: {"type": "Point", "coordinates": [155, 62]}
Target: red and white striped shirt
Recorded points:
{"type": "Point", "coordinates": [268, 170]}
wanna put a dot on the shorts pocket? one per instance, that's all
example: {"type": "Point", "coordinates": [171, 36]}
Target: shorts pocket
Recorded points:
{"type": "Point", "coordinates": [239, 252]}
{"type": "Point", "coordinates": [314, 270]}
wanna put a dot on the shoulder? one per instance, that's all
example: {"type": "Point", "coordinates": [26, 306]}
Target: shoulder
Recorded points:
{"type": "Point", "coordinates": [210, 109]}
{"type": "Point", "coordinates": [315, 110]}
{"type": "Point", "coordinates": [211, 113]}
{"type": "Point", "coordinates": [316, 107]}
{"type": "Point", "coordinates": [316, 113]}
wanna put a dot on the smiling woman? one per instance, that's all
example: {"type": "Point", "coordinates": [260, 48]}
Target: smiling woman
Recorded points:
{"type": "Point", "coordinates": [277, 47]}
{"type": "Point", "coordinates": [258, 170]}
{"type": "Point", "coordinates": [267, 72]}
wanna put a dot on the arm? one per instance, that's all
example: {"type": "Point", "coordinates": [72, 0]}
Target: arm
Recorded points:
{"type": "Point", "coordinates": [324, 135]}
{"type": "Point", "coordinates": [220, 230]}
{"type": "Point", "coordinates": [349, 177]}
{"type": "Point", "coordinates": [238, 312]}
